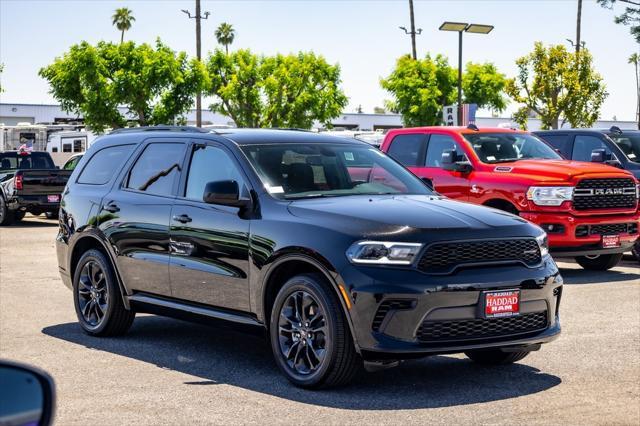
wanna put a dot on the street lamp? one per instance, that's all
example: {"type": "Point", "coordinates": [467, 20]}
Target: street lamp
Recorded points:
{"type": "Point", "coordinates": [463, 27]}
{"type": "Point", "coordinates": [198, 16]}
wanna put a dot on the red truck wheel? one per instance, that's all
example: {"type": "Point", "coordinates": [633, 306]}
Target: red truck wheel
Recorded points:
{"type": "Point", "coordinates": [602, 262]}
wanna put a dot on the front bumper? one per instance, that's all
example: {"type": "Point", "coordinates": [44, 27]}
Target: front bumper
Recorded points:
{"type": "Point", "coordinates": [570, 242]}
{"type": "Point", "coordinates": [386, 328]}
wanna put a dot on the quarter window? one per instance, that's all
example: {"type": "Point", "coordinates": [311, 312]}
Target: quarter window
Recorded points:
{"type": "Point", "coordinates": [209, 164]}
{"type": "Point", "coordinates": [103, 164]}
{"type": "Point", "coordinates": [157, 169]}
{"type": "Point", "coordinates": [407, 149]}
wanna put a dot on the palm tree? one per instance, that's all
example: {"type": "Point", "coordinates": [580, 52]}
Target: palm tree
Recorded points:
{"type": "Point", "coordinates": [635, 60]}
{"type": "Point", "coordinates": [123, 19]}
{"type": "Point", "coordinates": [225, 35]}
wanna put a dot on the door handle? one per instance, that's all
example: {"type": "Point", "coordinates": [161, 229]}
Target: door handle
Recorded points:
{"type": "Point", "coordinates": [111, 208]}
{"type": "Point", "coordinates": [183, 218]}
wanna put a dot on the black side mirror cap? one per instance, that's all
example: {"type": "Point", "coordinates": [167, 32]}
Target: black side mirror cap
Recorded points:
{"type": "Point", "coordinates": [598, 155]}
{"type": "Point", "coordinates": [450, 162]}
{"type": "Point", "coordinates": [448, 157]}
{"type": "Point", "coordinates": [27, 395]}
{"type": "Point", "coordinates": [428, 182]}
{"type": "Point", "coordinates": [224, 193]}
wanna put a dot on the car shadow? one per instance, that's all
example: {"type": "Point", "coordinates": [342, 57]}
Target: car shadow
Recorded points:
{"type": "Point", "coordinates": [217, 355]}
{"type": "Point", "coordinates": [580, 276]}
{"type": "Point", "coordinates": [35, 222]}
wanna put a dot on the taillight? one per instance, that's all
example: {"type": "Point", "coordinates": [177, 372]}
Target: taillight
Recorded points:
{"type": "Point", "coordinates": [18, 181]}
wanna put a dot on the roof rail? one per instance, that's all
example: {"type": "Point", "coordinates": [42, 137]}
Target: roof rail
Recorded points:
{"type": "Point", "coordinates": [162, 128]}
{"type": "Point", "coordinates": [472, 126]}
{"type": "Point", "coordinates": [615, 129]}
{"type": "Point", "coordinates": [294, 129]}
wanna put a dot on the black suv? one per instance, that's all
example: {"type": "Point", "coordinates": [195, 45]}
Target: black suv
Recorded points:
{"type": "Point", "coordinates": [613, 146]}
{"type": "Point", "coordinates": [337, 251]}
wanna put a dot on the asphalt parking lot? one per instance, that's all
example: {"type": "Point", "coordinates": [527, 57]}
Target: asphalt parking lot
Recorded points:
{"type": "Point", "coordinates": [170, 372]}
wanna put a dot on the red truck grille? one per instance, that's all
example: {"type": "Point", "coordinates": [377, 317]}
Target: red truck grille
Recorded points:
{"type": "Point", "coordinates": [599, 194]}
{"type": "Point", "coordinates": [445, 257]}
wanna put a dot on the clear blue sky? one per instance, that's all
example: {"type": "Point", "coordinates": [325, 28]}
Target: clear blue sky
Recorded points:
{"type": "Point", "coordinates": [362, 36]}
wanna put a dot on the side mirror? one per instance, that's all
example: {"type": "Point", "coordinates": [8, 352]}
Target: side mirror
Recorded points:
{"type": "Point", "coordinates": [428, 182]}
{"type": "Point", "coordinates": [450, 162]}
{"type": "Point", "coordinates": [448, 158]}
{"type": "Point", "coordinates": [27, 395]}
{"type": "Point", "coordinates": [598, 155]}
{"type": "Point", "coordinates": [224, 193]}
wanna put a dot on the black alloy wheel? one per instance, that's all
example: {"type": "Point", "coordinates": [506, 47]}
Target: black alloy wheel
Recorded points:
{"type": "Point", "coordinates": [310, 336]}
{"type": "Point", "coordinates": [302, 332]}
{"type": "Point", "coordinates": [97, 298]}
{"type": "Point", "coordinates": [93, 295]}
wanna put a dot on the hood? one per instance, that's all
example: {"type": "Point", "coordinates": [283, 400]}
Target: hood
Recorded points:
{"type": "Point", "coordinates": [405, 214]}
{"type": "Point", "coordinates": [562, 170]}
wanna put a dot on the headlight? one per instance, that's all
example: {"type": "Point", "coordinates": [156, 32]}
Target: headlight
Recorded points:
{"type": "Point", "coordinates": [550, 195]}
{"type": "Point", "coordinates": [543, 242]}
{"type": "Point", "coordinates": [383, 252]}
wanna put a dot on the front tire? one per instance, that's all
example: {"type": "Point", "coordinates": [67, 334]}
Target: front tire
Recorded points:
{"type": "Point", "coordinates": [309, 334]}
{"type": "Point", "coordinates": [602, 262]}
{"type": "Point", "coordinates": [636, 250]}
{"type": "Point", "coordinates": [495, 356]}
{"type": "Point", "coordinates": [97, 297]}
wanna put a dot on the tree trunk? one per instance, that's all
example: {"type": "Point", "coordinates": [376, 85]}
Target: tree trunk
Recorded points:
{"type": "Point", "coordinates": [198, 52]}
{"type": "Point", "coordinates": [578, 25]}
{"type": "Point", "coordinates": [226, 49]}
{"type": "Point", "coordinates": [122, 37]}
{"type": "Point", "coordinates": [637, 95]}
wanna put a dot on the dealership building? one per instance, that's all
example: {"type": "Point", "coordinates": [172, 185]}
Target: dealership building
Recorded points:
{"type": "Point", "coordinates": [13, 113]}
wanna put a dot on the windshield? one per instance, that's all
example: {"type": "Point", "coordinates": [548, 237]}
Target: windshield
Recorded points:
{"type": "Point", "coordinates": [629, 144]}
{"type": "Point", "coordinates": [33, 160]}
{"type": "Point", "coordinates": [506, 147]}
{"type": "Point", "coordinates": [292, 171]}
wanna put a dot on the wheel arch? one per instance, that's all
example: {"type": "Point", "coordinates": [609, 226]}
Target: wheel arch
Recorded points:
{"type": "Point", "coordinates": [501, 204]}
{"type": "Point", "coordinates": [290, 265]}
{"type": "Point", "coordinates": [88, 242]}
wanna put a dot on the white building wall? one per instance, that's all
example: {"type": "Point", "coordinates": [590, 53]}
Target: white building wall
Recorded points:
{"type": "Point", "coordinates": [10, 114]}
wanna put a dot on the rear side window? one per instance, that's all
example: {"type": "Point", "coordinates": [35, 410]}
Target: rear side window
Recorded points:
{"type": "Point", "coordinates": [437, 145]}
{"type": "Point", "coordinates": [584, 145]}
{"type": "Point", "coordinates": [560, 142]}
{"type": "Point", "coordinates": [104, 163]}
{"type": "Point", "coordinates": [407, 149]}
{"type": "Point", "coordinates": [157, 169]}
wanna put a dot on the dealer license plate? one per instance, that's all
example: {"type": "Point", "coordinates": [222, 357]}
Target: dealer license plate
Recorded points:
{"type": "Point", "coordinates": [53, 198]}
{"type": "Point", "coordinates": [503, 303]}
{"type": "Point", "coordinates": [610, 241]}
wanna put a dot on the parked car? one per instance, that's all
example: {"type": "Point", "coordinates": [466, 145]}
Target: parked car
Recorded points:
{"type": "Point", "coordinates": [589, 211]}
{"type": "Point", "coordinates": [337, 251]}
{"type": "Point", "coordinates": [614, 146]}
{"type": "Point", "coordinates": [29, 183]}
{"type": "Point", "coordinates": [72, 162]}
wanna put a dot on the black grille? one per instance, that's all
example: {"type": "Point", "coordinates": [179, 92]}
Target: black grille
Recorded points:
{"type": "Point", "coordinates": [606, 229]}
{"type": "Point", "coordinates": [584, 200]}
{"type": "Point", "coordinates": [440, 331]}
{"type": "Point", "coordinates": [385, 307]}
{"type": "Point", "coordinates": [445, 257]}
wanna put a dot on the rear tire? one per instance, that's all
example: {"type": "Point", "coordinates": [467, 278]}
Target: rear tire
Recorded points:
{"type": "Point", "coordinates": [97, 297]}
{"type": "Point", "coordinates": [602, 262]}
{"type": "Point", "coordinates": [495, 356]}
{"type": "Point", "coordinates": [6, 215]}
{"type": "Point", "coordinates": [308, 323]}
{"type": "Point", "coordinates": [636, 250]}
{"type": "Point", "coordinates": [18, 216]}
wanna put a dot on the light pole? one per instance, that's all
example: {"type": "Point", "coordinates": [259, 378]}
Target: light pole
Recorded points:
{"type": "Point", "coordinates": [413, 31]}
{"type": "Point", "coordinates": [198, 17]}
{"type": "Point", "coordinates": [463, 27]}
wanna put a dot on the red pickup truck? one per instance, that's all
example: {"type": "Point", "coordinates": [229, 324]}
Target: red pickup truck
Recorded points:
{"type": "Point", "coordinates": [589, 210]}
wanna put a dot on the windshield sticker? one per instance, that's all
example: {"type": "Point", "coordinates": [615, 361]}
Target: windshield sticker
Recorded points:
{"type": "Point", "coordinates": [274, 189]}
{"type": "Point", "coordinates": [348, 156]}
{"type": "Point", "coordinates": [503, 169]}
{"type": "Point", "coordinates": [491, 158]}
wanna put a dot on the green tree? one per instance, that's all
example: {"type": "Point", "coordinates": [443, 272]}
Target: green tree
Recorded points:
{"type": "Point", "coordinates": [123, 19]}
{"type": "Point", "coordinates": [275, 91]}
{"type": "Point", "coordinates": [558, 84]}
{"type": "Point", "coordinates": [156, 84]}
{"type": "Point", "coordinates": [225, 35]}
{"type": "Point", "coordinates": [422, 87]}
{"type": "Point", "coordinates": [630, 16]}
{"type": "Point", "coordinates": [379, 110]}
